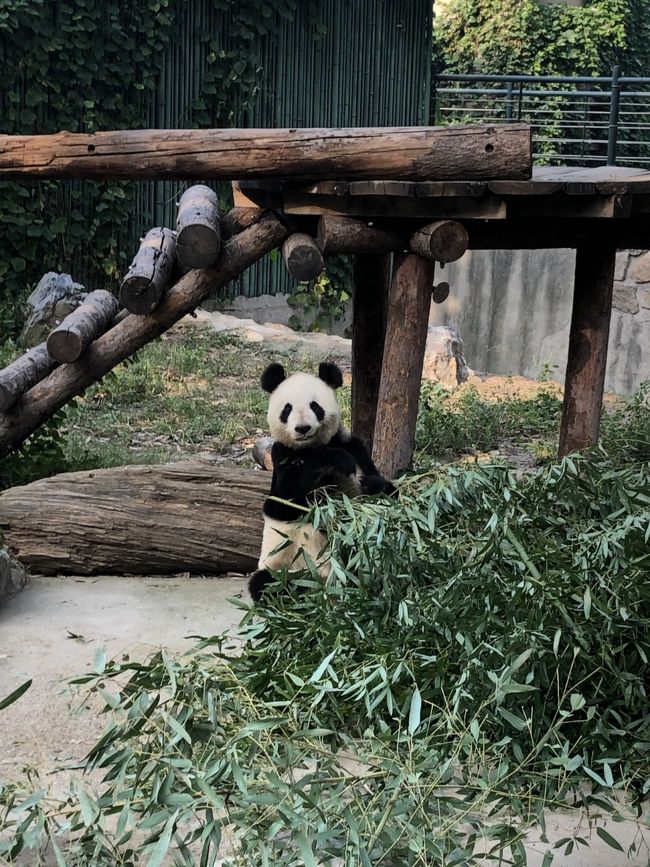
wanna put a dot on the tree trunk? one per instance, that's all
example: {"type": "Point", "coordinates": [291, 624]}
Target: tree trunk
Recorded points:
{"type": "Point", "coordinates": [409, 300]}
{"type": "Point", "coordinates": [151, 272]}
{"type": "Point", "coordinates": [302, 257]}
{"type": "Point", "coordinates": [443, 241]}
{"type": "Point", "coordinates": [79, 328]}
{"type": "Point", "coordinates": [23, 373]}
{"type": "Point", "coordinates": [131, 333]}
{"type": "Point", "coordinates": [346, 235]}
{"type": "Point", "coordinates": [187, 517]}
{"type": "Point", "coordinates": [198, 228]}
{"type": "Point", "coordinates": [418, 153]}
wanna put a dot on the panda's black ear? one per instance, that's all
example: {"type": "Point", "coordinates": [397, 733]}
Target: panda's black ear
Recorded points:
{"type": "Point", "coordinates": [272, 377]}
{"type": "Point", "coordinates": [330, 374]}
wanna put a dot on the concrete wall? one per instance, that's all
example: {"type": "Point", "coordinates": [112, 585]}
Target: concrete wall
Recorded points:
{"type": "Point", "coordinates": [513, 311]}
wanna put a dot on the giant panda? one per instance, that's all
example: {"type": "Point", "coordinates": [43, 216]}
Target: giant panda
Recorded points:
{"type": "Point", "coordinates": [311, 450]}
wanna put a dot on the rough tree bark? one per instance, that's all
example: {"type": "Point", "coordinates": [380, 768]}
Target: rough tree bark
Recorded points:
{"type": "Point", "coordinates": [346, 235]}
{"type": "Point", "coordinates": [151, 272]}
{"type": "Point", "coordinates": [198, 229]}
{"type": "Point", "coordinates": [131, 333]}
{"type": "Point", "coordinates": [303, 259]}
{"type": "Point", "coordinates": [416, 153]}
{"type": "Point", "coordinates": [186, 517]}
{"type": "Point", "coordinates": [23, 373]}
{"type": "Point", "coordinates": [79, 328]}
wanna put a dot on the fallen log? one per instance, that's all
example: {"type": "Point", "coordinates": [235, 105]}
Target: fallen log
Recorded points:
{"type": "Point", "coordinates": [144, 520]}
{"type": "Point", "coordinates": [79, 328]}
{"type": "Point", "coordinates": [346, 235]}
{"type": "Point", "coordinates": [453, 152]}
{"type": "Point", "coordinates": [198, 229]}
{"type": "Point", "coordinates": [303, 259]}
{"type": "Point", "coordinates": [151, 272]}
{"type": "Point", "coordinates": [124, 338]}
{"type": "Point", "coordinates": [23, 373]}
{"type": "Point", "coordinates": [442, 241]}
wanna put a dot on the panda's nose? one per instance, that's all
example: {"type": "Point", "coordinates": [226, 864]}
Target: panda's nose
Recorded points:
{"type": "Point", "coordinates": [303, 428]}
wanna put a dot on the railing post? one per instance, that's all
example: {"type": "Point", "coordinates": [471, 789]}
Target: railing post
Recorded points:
{"type": "Point", "coordinates": [509, 102]}
{"type": "Point", "coordinates": [612, 135]}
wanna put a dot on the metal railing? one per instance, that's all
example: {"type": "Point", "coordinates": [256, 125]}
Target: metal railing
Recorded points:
{"type": "Point", "coordinates": [604, 120]}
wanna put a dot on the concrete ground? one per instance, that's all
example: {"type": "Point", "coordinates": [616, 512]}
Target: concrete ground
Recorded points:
{"type": "Point", "coordinates": [52, 630]}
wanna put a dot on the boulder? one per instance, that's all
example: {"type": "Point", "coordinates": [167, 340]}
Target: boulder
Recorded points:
{"type": "Point", "coordinates": [12, 575]}
{"type": "Point", "coordinates": [444, 361]}
{"type": "Point", "coordinates": [55, 296]}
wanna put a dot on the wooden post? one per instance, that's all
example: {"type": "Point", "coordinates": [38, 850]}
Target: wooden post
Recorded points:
{"type": "Point", "coordinates": [198, 228]}
{"type": "Point", "coordinates": [409, 300]}
{"type": "Point", "coordinates": [151, 272]}
{"type": "Point", "coordinates": [79, 328]}
{"type": "Point", "coordinates": [371, 280]}
{"type": "Point", "coordinates": [302, 257]}
{"type": "Point", "coordinates": [587, 359]}
{"type": "Point", "coordinates": [443, 241]}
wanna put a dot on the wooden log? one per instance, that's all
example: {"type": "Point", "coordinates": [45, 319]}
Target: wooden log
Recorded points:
{"type": "Point", "coordinates": [409, 300]}
{"type": "Point", "coordinates": [23, 373]}
{"type": "Point", "coordinates": [198, 227]}
{"type": "Point", "coordinates": [262, 453]}
{"type": "Point", "coordinates": [588, 337]}
{"type": "Point", "coordinates": [347, 235]}
{"type": "Point", "coordinates": [78, 330]}
{"type": "Point", "coordinates": [132, 332]}
{"type": "Point", "coordinates": [371, 279]}
{"type": "Point", "coordinates": [190, 516]}
{"type": "Point", "coordinates": [482, 151]}
{"type": "Point", "coordinates": [238, 219]}
{"type": "Point", "coordinates": [151, 272]}
{"type": "Point", "coordinates": [442, 241]}
{"type": "Point", "coordinates": [302, 257]}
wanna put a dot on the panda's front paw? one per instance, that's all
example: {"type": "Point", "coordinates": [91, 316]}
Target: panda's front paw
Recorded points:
{"type": "Point", "coordinates": [343, 463]}
{"type": "Point", "coordinates": [378, 485]}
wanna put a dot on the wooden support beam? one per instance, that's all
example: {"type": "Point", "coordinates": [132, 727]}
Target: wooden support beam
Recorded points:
{"type": "Point", "coordinates": [121, 341]}
{"type": "Point", "coordinates": [151, 272]}
{"type": "Point", "coordinates": [587, 359]}
{"type": "Point", "coordinates": [486, 151]}
{"type": "Point", "coordinates": [198, 228]}
{"type": "Point", "coordinates": [409, 300]}
{"type": "Point", "coordinates": [371, 280]}
{"type": "Point", "coordinates": [302, 257]}
{"type": "Point", "coordinates": [347, 235]}
{"type": "Point", "coordinates": [442, 241]}
{"type": "Point", "coordinates": [23, 373]}
{"type": "Point", "coordinates": [238, 219]}
{"type": "Point", "coordinates": [78, 330]}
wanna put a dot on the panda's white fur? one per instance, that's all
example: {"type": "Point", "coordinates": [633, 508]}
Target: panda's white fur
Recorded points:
{"type": "Point", "coordinates": [311, 450]}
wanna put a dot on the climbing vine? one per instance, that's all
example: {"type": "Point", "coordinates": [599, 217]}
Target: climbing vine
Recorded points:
{"type": "Point", "coordinates": [86, 65]}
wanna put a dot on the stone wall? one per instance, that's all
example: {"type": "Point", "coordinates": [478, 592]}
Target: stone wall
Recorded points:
{"type": "Point", "coordinates": [513, 310]}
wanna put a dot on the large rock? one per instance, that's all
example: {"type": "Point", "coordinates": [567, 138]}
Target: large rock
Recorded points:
{"type": "Point", "coordinates": [12, 575]}
{"type": "Point", "coordinates": [444, 361]}
{"type": "Point", "coordinates": [55, 296]}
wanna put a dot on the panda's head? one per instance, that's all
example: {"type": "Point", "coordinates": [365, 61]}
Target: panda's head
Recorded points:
{"type": "Point", "coordinates": [303, 410]}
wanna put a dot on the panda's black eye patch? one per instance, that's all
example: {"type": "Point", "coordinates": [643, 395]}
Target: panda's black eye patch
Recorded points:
{"type": "Point", "coordinates": [286, 412]}
{"type": "Point", "coordinates": [317, 409]}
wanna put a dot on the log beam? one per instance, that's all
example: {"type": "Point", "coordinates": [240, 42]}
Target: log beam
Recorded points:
{"type": "Point", "coordinates": [442, 241]}
{"type": "Point", "coordinates": [371, 279]}
{"type": "Point", "coordinates": [417, 153]}
{"type": "Point", "coordinates": [198, 228]}
{"type": "Point", "coordinates": [78, 330]}
{"type": "Point", "coordinates": [132, 332]}
{"type": "Point", "coordinates": [190, 516]}
{"type": "Point", "coordinates": [303, 259]}
{"type": "Point", "coordinates": [409, 300]}
{"type": "Point", "coordinates": [23, 373]}
{"type": "Point", "coordinates": [588, 337]}
{"type": "Point", "coordinates": [347, 235]}
{"type": "Point", "coordinates": [151, 272]}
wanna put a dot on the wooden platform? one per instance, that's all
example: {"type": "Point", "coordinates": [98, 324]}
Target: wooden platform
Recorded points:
{"type": "Point", "coordinates": [595, 211]}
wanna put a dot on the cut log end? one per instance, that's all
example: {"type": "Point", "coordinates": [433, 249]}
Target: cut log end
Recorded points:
{"type": "Point", "coordinates": [82, 326]}
{"type": "Point", "coordinates": [302, 257]}
{"type": "Point", "coordinates": [151, 272]}
{"type": "Point", "coordinates": [443, 241]}
{"type": "Point", "coordinates": [198, 246]}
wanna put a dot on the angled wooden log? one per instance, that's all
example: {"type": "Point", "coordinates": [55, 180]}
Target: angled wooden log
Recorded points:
{"type": "Point", "coordinates": [238, 219]}
{"type": "Point", "coordinates": [198, 228]}
{"type": "Point", "coordinates": [418, 153]}
{"type": "Point", "coordinates": [78, 330]}
{"type": "Point", "coordinates": [347, 235]}
{"type": "Point", "coordinates": [442, 241]}
{"type": "Point", "coordinates": [150, 273]}
{"type": "Point", "coordinates": [23, 373]}
{"type": "Point", "coordinates": [302, 257]}
{"type": "Point", "coordinates": [42, 401]}
{"type": "Point", "coordinates": [191, 516]}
